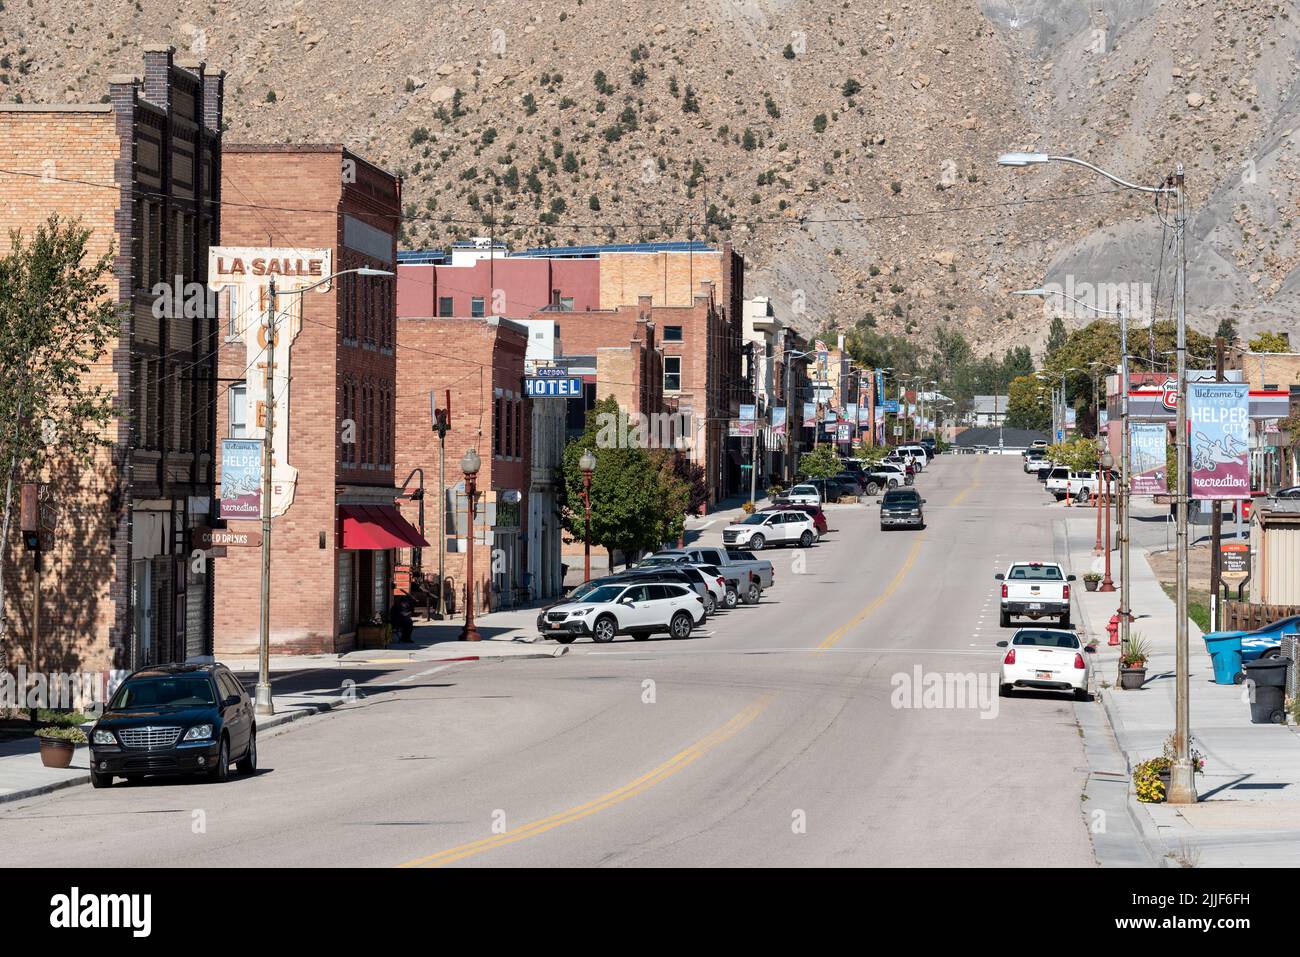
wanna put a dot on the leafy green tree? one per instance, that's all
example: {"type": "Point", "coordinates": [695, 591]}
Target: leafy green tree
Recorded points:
{"type": "Point", "coordinates": [1271, 342]}
{"type": "Point", "coordinates": [55, 324]}
{"type": "Point", "coordinates": [822, 462]}
{"type": "Point", "coordinates": [1056, 335]}
{"type": "Point", "coordinates": [1028, 404]}
{"type": "Point", "coordinates": [1079, 455]}
{"type": "Point", "coordinates": [1227, 330]}
{"type": "Point", "coordinates": [633, 506]}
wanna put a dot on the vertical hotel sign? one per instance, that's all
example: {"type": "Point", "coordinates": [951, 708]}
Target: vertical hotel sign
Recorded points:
{"type": "Point", "coordinates": [1218, 420]}
{"type": "Point", "coordinates": [239, 276]}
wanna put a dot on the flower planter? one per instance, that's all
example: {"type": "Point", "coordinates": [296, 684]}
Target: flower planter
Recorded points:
{"type": "Point", "coordinates": [1131, 679]}
{"type": "Point", "coordinates": [372, 637]}
{"type": "Point", "coordinates": [56, 753]}
{"type": "Point", "coordinates": [1089, 584]}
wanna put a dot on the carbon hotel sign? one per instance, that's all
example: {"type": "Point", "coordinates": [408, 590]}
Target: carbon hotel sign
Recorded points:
{"type": "Point", "coordinates": [552, 383]}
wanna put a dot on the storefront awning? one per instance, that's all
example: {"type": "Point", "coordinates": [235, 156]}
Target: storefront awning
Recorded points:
{"type": "Point", "coordinates": [377, 527]}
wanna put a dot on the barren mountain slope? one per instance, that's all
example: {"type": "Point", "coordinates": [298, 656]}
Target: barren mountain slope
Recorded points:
{"type": "Point", "coordinates": [847, 148]}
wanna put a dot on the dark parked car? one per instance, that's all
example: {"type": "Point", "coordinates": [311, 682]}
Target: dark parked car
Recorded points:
{"type": "Point", "coordinates": [1293, 492]}
{"type": "Point", "coordinates": [902, 507]}
{"type": "Point", "coordinates": [175, 719]}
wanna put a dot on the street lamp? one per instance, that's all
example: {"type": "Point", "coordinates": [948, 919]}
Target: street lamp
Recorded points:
{"type": "Point", "coordinates": [1182, 777]}
{"type": "Point", "coordinates": [469, 465]}
{"type": "Point", "coordinates": [263, 703]}
{"type": "Point", "coordinates": [588, 465]}
{"type": "Point", "coordinates": [1107, 462]}
{"type": "Point", "coordinates": [790, 355]}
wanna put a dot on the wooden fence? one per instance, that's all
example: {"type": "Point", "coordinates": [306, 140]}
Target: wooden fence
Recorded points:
{"type": "Point", "coordinates": [1245, 616]}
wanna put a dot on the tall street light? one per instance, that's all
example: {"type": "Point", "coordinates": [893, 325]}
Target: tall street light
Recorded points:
{"type": "Point", "coordinates": [1182, 777]}
{"type": "Point", "coordinates": [469, 465]}
{"type": "Point", "coordinates": [263, 703]}
{"type": "Point", "coordinates": [587, 465]}
{"type": "Point", "coordinates": [790, 355]}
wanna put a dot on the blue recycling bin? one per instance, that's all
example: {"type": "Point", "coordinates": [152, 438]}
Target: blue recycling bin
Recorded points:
{"type": "Point", "coordinates": [1225, 652]}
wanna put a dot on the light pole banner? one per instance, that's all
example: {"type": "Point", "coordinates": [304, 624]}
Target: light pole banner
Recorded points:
{"type": "Point", "coordinates": [851, 413]}
{"type": "Point", "coordinates": [1218, 417]}
{"type": "Point", "coordinates": [1147, 442]}
{"type": "Point", "coordinates": [241, 478]}
{"type": "Point", "coordinates": [810, 415]}
{"type": "Point", "coordinates": [778, 420]}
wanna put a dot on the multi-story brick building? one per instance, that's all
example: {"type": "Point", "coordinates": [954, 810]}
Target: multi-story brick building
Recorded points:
{"type": "Point", "coordinates": [596, 295]}
{"type": "Point", "coordinates": [142, 172]}
{"type": "Point", "coordinates": [480, 361]}
{"type": "Point", "coordinates": [336, 529]}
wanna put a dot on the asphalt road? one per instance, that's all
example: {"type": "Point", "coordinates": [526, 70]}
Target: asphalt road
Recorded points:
{"type": "Point", "coordinates": [774, 737]}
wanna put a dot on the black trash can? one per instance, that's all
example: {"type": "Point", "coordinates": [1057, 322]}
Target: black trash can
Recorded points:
{"type": "Point", "coordinates": [1267, 677]}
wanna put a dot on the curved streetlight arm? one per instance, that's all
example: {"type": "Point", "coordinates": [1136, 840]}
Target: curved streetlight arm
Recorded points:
{"type": "Point", "coordinates": [1030, 159]}
{"type": "Point", "coordinates": [1045, 293]}
{"type": "Point", "coordinates": [360, 270]}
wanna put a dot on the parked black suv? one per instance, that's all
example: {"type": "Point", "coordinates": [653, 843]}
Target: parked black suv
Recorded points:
{"type": "Point", "coordinates": [174, 719]}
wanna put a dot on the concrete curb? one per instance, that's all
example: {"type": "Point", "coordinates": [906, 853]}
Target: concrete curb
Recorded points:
{"type": "Point", "coordinates": [1147, 836]}
{"type": "Point", "coordinates": [44, 789]}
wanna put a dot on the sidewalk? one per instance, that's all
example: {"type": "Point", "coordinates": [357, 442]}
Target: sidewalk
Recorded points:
{"type": "Point", "coordinates": [1249, 808]}
{"type": "Point", "coordinates": [506, 635]}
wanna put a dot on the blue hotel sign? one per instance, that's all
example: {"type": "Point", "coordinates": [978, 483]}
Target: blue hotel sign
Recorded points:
{"type": "Point", "coordinates": [553, 387]}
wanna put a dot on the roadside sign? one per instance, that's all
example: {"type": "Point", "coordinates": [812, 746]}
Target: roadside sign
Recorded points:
{"type": "Point", "coordinates": [898, 430]}
{"type": "Point", "coordinates": [1234, 561]}
{"type": "Point", "coordinates": [204, 537]}
{"type": "Point", "coordinates": [553, 387]}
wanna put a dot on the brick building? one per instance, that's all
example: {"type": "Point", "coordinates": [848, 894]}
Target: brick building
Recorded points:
{"type": "Point", "coordinates": [481, 362]}
{"type": "Point", "coordinates": [335, 525]}
{"type": "Point", "coordinates": [692, 294]}
{"type": "Point", "coordinates": [142, 172]}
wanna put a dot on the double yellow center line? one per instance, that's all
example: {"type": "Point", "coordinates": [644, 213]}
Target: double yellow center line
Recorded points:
{"type": "Point", "coordinates": [666, 770]}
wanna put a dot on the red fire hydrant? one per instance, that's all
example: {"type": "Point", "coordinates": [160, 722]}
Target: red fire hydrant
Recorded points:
{"type": "Point", "coordinates": [1112, 629]}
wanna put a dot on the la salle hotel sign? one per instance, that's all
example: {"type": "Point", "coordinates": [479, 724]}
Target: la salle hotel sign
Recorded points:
{"type": "Point", "coordinates": [240, 277]}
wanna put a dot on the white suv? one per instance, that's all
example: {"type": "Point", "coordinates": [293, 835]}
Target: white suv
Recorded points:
{"type": "Point", "coordinates": [804, 495]}
{"type": "Point", "coordinates": [761, 529]}
{"type": "Point", "coordinates": [640, 609]}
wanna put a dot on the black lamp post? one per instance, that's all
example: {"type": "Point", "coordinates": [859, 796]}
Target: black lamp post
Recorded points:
{"type": "Point", "coordinates": [588, 465]}
{"type": "Point", "coordinates": [469, 464]}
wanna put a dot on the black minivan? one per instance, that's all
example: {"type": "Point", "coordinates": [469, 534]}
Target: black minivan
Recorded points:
{"type": "Point", "coordinates": [175, 719]}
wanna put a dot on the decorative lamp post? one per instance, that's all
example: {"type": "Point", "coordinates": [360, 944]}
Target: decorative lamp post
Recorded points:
{"type": "Point", "coordinates": [588, 465]}
{"type": "Point", "coordinates": [1107, 462]}
{"type": "Point", "coordinates": [469, 464]}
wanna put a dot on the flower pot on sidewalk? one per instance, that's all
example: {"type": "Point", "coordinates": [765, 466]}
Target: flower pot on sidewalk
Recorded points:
{"type": "Point", "coordinates": [1131, 679]}
{"type": "Point", "coordinates": [1090, 584]}
{"type": "Point", "coordinates": [58, 745]}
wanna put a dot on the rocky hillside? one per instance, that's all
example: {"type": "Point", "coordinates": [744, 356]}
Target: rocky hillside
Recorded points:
{"type": "Point", "coordinates": [847, 148]}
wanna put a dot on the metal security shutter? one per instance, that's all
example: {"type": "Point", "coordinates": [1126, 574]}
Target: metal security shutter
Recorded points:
{"type": "Point", "coordinates": [196, 611]}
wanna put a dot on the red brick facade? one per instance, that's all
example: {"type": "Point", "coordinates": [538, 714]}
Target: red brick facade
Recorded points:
{"type": "Point", "coordinates": [344, 386]}
{"type": "Point", "coordinates": [482, 362]}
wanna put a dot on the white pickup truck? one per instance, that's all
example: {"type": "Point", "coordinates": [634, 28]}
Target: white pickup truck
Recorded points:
{"type": "Point", "coordinates": [1035, 590]}
{"type": "Point", "coordinates": [1063, 482]}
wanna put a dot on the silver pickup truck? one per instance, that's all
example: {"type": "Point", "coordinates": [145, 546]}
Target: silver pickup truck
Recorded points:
{"type": "Point", "coordinates": [746, 577]}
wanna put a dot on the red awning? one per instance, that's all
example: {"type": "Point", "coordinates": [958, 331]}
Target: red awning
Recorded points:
{"type": "Point", "coordinates": [377, 527]}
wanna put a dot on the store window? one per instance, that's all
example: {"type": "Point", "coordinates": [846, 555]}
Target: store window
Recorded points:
{"type": "Point", "coordinates": [345, 591]}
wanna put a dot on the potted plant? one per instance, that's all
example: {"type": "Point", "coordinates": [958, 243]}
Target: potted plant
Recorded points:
{"type": "Point", "coordinates": [1151, 777]}
{"type": "Point", "coordinates": [1090, 581]}
{"type": "Point", "coordinates": [748, 508]}
{"type": "Point", "coordinates": [1133, 663]}
{"type": "Point", "coordinates": [58, 744]}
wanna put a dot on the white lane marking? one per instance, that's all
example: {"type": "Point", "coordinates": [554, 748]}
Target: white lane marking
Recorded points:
{"type": "Point", "coordinates": [423, 674]}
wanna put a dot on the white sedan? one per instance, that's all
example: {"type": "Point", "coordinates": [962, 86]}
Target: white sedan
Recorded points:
{"type": "Point", "coordinates": [1051, 659]}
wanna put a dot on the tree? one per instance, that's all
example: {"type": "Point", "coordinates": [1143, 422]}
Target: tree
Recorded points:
{"type": "Point", "coordinates": [1227, 331]}
{"type": "Point", "coordinates": [55, 323]}
{"type": "Point", "coordinates": [1056, 335]}
{"type": "Point", "coordinates": [1271, 342]}
{"type": "Point", "coordinates": [1078, 455]}
{"type": "Point", "coordinates": [822, 462]}
{"type": "Point", "coordinates": [633, 507]}
{"type": "Point", "coordinates": [1028, 405]}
